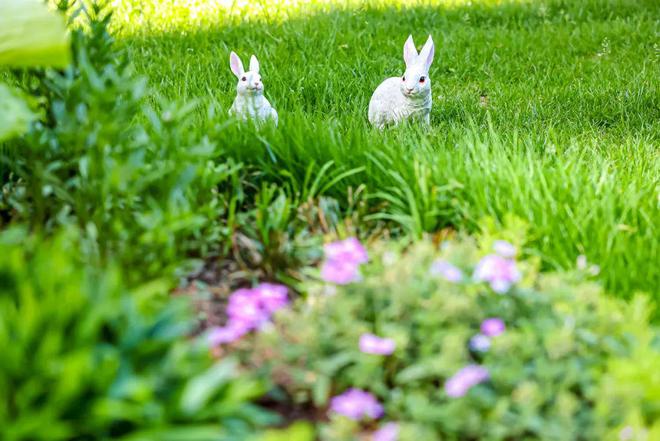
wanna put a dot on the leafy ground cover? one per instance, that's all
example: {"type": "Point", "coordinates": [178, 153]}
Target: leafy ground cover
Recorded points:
{"type": "Point", "coordinates": [462, 344]}
{"type": "Point", "coordinates": [164, 273]}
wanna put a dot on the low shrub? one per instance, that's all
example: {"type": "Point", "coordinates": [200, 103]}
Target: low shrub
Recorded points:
{"type": "Point", "coordinates": [464, 344]}
{"type": "Point", "coordinates": [136, 178]}
{"type": "Point", "coordinates": [85, 358]}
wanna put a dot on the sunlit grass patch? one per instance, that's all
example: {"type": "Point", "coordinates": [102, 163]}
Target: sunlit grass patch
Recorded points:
{"type": "Point", "coordinates": [136, 16]}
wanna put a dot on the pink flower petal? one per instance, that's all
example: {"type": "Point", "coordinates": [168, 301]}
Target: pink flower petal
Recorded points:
{"type": "Point", "coordinates": [446, 270]}
{"type": "Point", "coordinates": [504, 248]}
{"type": "Point", "coordinates": [229, 333]}
{"type": "Point", "coordinates": [340, 272]}
{"type": "Point", "coordinates": [271, 296]}
{"type": "Point", "coordinates": [388, 432]}
{"type": "Point", "coordinates": [244, 306]}
{"type": "Point", "coordinates": [499, 272]}
{"type": "Point", "coordinates": [372, 344]}
{"type": "Point", "coordinates": [356, 404]}
{"type": "Point", "coordinates": [493, 327]}
{"type": "Point", "coordinates": [459, 384]}
{"type": "Point", "coordinates": [348, 250]}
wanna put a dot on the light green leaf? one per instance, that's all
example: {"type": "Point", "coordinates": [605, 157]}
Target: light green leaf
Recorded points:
{"type": "Point", "coordinates": [32, 35]}
{"type": "Point", "coordinates": [15, 115]}
{"type": "Point", "coordinates": [200, 389]}
{"type": "Point", "coordinates": [321, 390]}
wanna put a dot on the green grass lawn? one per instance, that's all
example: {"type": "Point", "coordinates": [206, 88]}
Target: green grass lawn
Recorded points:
{"type": "Point", "coordinates": [549, 111]}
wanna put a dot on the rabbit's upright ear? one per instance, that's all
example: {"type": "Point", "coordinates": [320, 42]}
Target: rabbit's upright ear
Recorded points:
{"type": "Point", "coordinates": [409, 51]}
{"type": "Point", "coordinates": [427, 52]}
{"type": "Point", "coordinates": [254, 64]}
{"type": "Point", "coordinates": [236, 64]}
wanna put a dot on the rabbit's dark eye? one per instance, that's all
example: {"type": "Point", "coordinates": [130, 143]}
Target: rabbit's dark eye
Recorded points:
{"type": "Point", "coordinates": [244, 79]}
{"type": "Point", "coordinates": [404, 78]}
{"type": "Point", "coordinates": [422, 79]}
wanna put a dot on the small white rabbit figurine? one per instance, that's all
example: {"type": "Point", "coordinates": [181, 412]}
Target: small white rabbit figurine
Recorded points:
{"type": "Point", "coordinates": [250, 102]}
{"type": "Point", "coordinates": [409, 96]}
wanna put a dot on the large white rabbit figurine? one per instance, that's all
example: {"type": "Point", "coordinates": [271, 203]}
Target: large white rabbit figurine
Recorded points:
{"type": "Point", "coordinates": [408, 96]}
{"type": "Point", "coordinates": [250, 102]}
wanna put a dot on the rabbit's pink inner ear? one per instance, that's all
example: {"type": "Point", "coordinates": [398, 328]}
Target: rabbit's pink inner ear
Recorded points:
{"type": "Point", "coordinates": [409, 51]}
{"type": "Point", "coordinates": [235, 64]}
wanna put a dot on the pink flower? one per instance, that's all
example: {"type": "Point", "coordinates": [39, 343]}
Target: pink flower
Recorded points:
{"type": "Point", "coordinates": [388, 432]}
{"type": "Point", "coordinates": [372, 344]}
{"type": "Point", "coordinates": [463, 380]}
{"type": "Point", "coordinates": [493, 327]}
{"type": "Point", "coordinates": [499, 272]}
{"type": "Point", "coordinates": [244, 306]}
{"type": "Point", "coordinates": [480, 343]}
{"type": "Point", "coordinates": [341, 273]}
{"type": "Point", "coordinates": [342, 261]}
{"type": "Point", "coordinates": [356, 404]}
{"type": "Point", "coordinates": [249, 309]}
{"type": "Point", "coordinates": [271, 297]}
{"type": "Point", "coordinates": [504, 248]}
{"type": "Point", "coordinates": [348, 250]}
{"type": "Point", "coordinates": [447, 270]}
{"type": "Point", "coordinates": [229, 333]}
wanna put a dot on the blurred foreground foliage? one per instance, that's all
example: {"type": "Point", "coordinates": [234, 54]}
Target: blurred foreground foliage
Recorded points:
{"type": "Point", "coordinates": [86, 358]}
{"type": "Point", "coordinates": [105, 195]}
{"type": "Point", "coordinates": [573, 363]}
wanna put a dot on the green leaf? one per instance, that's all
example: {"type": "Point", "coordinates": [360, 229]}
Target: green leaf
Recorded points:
{"type": "Point", "coordinates": [15, 115]}
{"type": "Point", "coordinates": [296, 432]}
{"type": "Point", "coordinates": [321, 390]}
{"type": "Point", "coordinates": [32, 35]}
{"type": "Point", "coordinates": [199, 390]}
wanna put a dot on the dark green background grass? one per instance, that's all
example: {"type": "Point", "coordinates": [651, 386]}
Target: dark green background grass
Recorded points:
{"type": "Point", "coordinates": [567, 140]}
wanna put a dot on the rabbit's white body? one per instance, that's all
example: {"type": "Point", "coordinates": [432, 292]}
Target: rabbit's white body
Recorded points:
{"type": "Point", "coordinates": [389, 106]}
{"type": "Point", "coordinates": [255, 107]}
{"type": "Point", "coordinates": [250, 102]}
{"type": "Point", "coordinates": [407, 97]}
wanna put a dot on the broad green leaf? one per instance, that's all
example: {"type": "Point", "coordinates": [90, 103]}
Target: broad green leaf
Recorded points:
{"type": "Point", "coordinates": [32, 35]}
{"type": "Point", "coordinates": [15, 115]}
{"type": "Point", "coordinates": [200, 389]}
